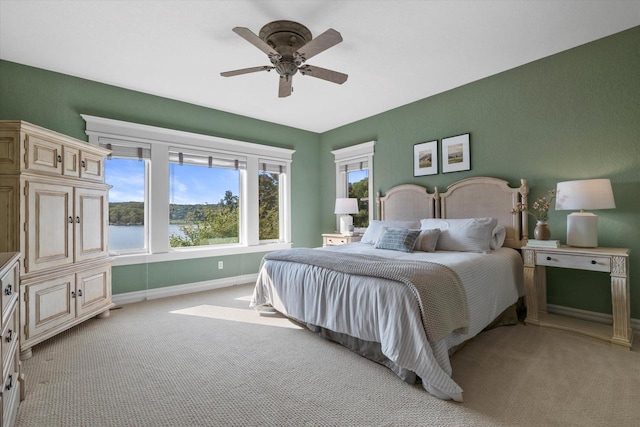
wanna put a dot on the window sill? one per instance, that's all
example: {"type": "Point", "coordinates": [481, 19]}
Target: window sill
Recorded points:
{"type": "Point", "coordinates": [191, 253]}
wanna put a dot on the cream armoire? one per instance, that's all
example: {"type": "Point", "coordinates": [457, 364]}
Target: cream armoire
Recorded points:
{"type": "Point", "coordinates": [55, 212]}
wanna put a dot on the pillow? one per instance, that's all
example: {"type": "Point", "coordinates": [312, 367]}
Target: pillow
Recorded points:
{"type": "Point", "coordinates": [462, 235]}
{"type": "Point", "coordinates": [376, 227]}
{"type": "Point", "coordinates": [398, 239]}
{"type": "Point", "coordinates": [427, 240]}
{"type": "Point", "coordinates": [498, 236]}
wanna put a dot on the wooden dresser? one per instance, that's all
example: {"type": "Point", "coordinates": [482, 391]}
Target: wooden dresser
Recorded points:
{"type": "Point", "coordinates": [12, 381]}
{"type": "Point", "coordinates": [52, 188]}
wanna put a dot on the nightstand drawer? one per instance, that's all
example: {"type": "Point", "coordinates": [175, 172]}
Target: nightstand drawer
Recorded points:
{"type": "Point", "coordinates": [333, 241]}
{"type": "Point", "coordinates": [582, 262]}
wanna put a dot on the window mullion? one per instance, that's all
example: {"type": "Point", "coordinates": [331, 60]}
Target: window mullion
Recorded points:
{"type": "Point", "coordinates": [159, 200]}
{"type": "Point", "coordinates": [250, 217]}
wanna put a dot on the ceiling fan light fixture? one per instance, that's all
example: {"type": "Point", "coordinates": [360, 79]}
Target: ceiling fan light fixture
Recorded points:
{"type": "Point", "coordinates": [288, 45]}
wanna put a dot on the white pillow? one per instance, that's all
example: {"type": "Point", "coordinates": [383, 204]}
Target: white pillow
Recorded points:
{"type": "Point", "coordinates": [376, 227]}
{"type": "Point", "coordinates": [462, 235]}
{"type": "Point", "coordinates": [498, 236]}
{"type": "Point", "coordinates": [427, 240]}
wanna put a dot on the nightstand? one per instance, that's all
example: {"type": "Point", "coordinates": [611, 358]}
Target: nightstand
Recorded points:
{"type": "Point", "coordinates": [339, 239]}
{"type": "Point", "coordinates": [614, 261]}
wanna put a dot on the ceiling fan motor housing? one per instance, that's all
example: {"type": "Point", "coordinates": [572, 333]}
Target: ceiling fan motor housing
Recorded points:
{"type": "Point", "coordinates": [286, 37]}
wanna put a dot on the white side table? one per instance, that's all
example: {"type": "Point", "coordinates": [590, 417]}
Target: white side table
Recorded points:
{"type": "Point", "coordinates": [611, 260]}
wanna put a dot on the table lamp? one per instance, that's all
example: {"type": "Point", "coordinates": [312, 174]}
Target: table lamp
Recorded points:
{"type": "Point", "coordinates": [345, 207]}
{"type": "Point", "coordinates": [582, 227]}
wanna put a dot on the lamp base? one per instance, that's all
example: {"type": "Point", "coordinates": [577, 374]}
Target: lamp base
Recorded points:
{"type": "Point", "coordinates": [582, 230]}
{"type": "Point", "coordinates": [346, 225]}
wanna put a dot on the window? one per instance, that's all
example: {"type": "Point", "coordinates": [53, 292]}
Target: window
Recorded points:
{"type": "Point", "coordinates": [269, 196]}
{"type": "Point", "coordinates": [126, 171]}
{"type": "Point", "coordinates": [358, 187]}
{"type": "Point", "coordinates": [354, 178]}
{"type": "Point", "coordinates": [204, 190]}
{"type": "Point", "coordinates": [198, 196]}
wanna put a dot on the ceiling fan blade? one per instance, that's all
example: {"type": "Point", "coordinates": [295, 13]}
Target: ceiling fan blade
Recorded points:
{"type": "Point", "coordinates": [319, 44]}
{"type": "Point", "coordinates": [250, 36]}
{"type": "Point", "coordinates": [246, 71]}
{"type": "Point", "coordinates": [323, 73]}
{"type": "Point", "coordinates": [284, 87]}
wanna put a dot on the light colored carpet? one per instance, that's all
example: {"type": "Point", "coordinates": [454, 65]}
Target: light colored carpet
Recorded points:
{"type": "Point", "coordinates": [205, 359]}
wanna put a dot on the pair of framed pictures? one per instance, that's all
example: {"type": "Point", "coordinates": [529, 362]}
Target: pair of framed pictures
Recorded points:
{"type": "Point", "coordinates": [455, 156]}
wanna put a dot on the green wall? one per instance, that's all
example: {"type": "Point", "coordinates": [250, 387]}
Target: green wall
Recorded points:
{"type": "Point", "coordinates": [574, 115]}
{"type": "Point", "coordinates": [55, 101]}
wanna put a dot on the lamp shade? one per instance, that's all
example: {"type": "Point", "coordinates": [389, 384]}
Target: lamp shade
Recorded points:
{"type": "Point", "coordinates": [584, 194]}
{"type": "Point", "coordinates": [345, 206]}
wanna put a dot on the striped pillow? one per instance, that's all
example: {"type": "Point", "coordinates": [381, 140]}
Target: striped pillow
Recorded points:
{"type": "Point", "coordinates": [376, 228]}
{"type": "Point", "coordinates": [398, 239]}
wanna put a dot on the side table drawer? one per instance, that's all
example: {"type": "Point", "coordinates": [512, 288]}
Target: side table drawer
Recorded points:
{"type": "Point", "coordinates": [582, 262]}
{"type": "Point", "coordinates": [333, 241]}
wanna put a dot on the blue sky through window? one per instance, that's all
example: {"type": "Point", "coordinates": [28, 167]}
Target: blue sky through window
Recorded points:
{"type": "Point", "coordinates": [189, 184]}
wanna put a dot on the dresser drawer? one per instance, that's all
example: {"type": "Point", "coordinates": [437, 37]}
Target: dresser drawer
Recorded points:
{"type": "Point", "coordinates": [11, 391]}
{"type": "Point", "coordinates": [582, 262]}
{"type": "Point", "coordinates": [10, 335]}
{"type": "Point", "coordinates": [9, 286]}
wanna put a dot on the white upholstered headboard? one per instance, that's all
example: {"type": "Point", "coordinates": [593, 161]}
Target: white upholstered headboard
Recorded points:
{"type": "Point", "coordinates": [470, 198]}
{"type": "Point", "coordinates": [406, 202]}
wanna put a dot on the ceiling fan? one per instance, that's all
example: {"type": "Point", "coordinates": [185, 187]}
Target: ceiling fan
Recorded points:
{"type": "Point", "coordinates": [289, 45]}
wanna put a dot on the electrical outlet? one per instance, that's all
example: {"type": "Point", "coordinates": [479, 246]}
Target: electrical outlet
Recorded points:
{"type": "Point", "coordinates": [220, 265]}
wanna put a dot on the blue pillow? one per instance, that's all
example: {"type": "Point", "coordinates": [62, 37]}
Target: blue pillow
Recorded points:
{"type": "Point", "coordinates": [398, 239]}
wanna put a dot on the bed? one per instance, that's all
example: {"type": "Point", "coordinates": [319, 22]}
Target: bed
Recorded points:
{"type": "Point", "coordinates": [409, 309]}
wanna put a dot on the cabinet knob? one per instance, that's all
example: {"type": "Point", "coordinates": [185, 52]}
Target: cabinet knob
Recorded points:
{"type": "Point", "coordinates": [79, 292]}
{"type": "Point", "coordinates": [84, 164]}
{"type": "Point", "coordinates": [593, 261]}
{"type": "Point", "coordinates": [8, 290]}
{"type": "Point", "coordinates": [70, 220]}
{"type": "Point", "coordinates": [59, 158]}
{"type": "Point", "coordinates": [10, 383]}
{"type": "Point", "coordinates": [78, 219]}
{"type": "Point", "coordinates": [548, 258]}
{"type": "Point", "coordinates": [9, 336]}
{"type": "Point", "coordinates": [73, 294]}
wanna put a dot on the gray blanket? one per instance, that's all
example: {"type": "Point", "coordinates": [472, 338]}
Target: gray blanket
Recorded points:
{"type": "Point", "coordinates": [437, 289]}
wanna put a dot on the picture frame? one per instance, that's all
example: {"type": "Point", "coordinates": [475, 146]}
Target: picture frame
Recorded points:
{"type": "Point", "coordinates": [455, 153]}
{"type": "Point", "coordinates": [425, 158]}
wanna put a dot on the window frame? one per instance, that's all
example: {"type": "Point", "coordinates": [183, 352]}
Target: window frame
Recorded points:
{"type": "Point", "coordinates": [161, 141]}
{"type": "Point", "coordinates": [145, 249]}
{"type": "Point", "coordinates": [359, 153]}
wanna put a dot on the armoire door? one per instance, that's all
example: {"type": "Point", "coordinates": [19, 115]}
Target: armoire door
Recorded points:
{"type": "Point", "coordinates": [93, 289]}
{"type": "Point", "coordinates": [91, 222]}
{"type": "Point", "coordinates": [49, 304]}
{"type": "Point", "coordinates": [49, 241]}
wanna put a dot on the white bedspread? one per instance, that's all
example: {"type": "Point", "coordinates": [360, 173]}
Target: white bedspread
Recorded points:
{"type": "Point", "coordinates": [383, 311]}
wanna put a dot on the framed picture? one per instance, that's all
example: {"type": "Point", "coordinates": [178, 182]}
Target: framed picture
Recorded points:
{"type": "Point", "coordinates": [455, 154]}
{"type": "Point", "coordinates": [425, 158]}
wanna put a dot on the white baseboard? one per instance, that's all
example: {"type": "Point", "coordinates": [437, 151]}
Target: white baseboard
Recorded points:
{"type": "Point", "coordinates": [591, 316]}
{"type": "Point", "coordinates": [187, 288]}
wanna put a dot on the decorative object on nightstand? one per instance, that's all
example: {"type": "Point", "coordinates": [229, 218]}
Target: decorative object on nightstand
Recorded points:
{"type": "Point", "coordinates": [345, 207]}
{"type": "Point", "coordinates": [534, 243]}
{"type": "Point", "coordinates": [582, 227]}
{"type": "Point", "coordinates": [540, 212]}
{"type": "Point", "coordinates": [334, 239]}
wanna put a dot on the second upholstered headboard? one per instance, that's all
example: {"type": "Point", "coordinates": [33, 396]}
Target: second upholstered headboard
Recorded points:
{"type": "Point", "coordinates": [469, 198]}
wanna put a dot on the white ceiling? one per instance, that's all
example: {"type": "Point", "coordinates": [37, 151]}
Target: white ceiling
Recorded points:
{"type": "Point", "coordinates": [394, 52]}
